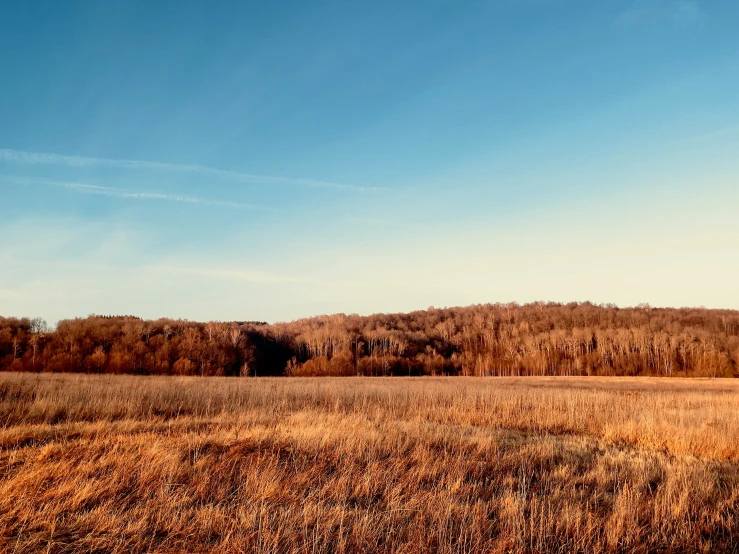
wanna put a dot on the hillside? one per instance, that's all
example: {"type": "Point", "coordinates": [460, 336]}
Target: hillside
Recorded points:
{"type": "Point", "coordinates": [482, 340]}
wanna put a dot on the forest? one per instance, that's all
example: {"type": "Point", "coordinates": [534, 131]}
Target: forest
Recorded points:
{"type": "Point", "coordinates": [547, 339]}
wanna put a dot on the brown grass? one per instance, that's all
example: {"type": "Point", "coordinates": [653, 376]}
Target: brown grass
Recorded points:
{"type": "Point", "coordinates": [138, 464]}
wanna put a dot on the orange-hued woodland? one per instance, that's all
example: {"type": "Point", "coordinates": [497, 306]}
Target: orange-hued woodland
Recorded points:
{"type": "Point", "coordinates": [104, 463]}
{"type": "Point", "coordinates": [542, 339]}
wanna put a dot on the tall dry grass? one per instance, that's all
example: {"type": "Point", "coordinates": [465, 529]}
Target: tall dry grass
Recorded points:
{"type": "Point", "coordinates": [137, 464]}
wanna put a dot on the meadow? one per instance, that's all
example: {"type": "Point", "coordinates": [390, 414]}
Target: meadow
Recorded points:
{"type": "Point", "coordinates": [102, 463]}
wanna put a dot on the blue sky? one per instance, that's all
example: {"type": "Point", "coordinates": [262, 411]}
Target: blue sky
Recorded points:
{"type": "Point", "coordinates": [275, 160]}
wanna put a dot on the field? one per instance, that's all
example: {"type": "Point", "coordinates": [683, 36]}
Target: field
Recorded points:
{"type": "Point", "coordinates": [156, 464]}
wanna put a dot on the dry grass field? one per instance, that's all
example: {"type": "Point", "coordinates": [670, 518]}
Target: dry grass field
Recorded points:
{"type": "Point", "coordinates": [149, 464]}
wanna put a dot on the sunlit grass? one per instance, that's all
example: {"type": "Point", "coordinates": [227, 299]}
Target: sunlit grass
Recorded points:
{"type": "Point", "coordinates": [146, 464]}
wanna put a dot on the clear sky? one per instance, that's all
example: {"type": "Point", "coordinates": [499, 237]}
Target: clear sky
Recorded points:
{"type": "Point", "coordinates": [275, 160]}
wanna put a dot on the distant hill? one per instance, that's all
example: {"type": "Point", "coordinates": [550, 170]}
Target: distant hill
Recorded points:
{"type": "Point", "coordinates": [491, 339]}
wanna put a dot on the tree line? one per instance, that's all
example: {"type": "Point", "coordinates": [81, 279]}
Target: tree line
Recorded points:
{"type": "Point", "coordinates": [482, 340]}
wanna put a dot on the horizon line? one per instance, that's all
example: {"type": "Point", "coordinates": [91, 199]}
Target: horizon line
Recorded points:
{"type": "Point", "coordinates": [255, 276]}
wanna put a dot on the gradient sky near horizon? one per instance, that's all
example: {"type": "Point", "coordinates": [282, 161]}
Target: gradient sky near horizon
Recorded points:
{"type": "Point", "coordinates": [277, 160]}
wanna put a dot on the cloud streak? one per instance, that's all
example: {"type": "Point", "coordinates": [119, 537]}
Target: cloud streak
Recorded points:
{"type": "Point", "coordinates": [688, 15]}
{"type": "Point", "coordinates": [682, 14]}
{"type": "Point", "coordinates": [233, 274]}
{"type": "Point", "coordinates": [45, 158]}
{"type": "Point", "coordinates": [122, 193]}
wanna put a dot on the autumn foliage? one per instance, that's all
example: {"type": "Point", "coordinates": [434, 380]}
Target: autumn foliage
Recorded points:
{"type": "Point", "coordinates": [484, 340]}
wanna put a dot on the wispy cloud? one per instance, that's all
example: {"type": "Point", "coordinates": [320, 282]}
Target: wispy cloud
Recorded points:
{"type": "Point", "coordinates": [368, 220]}
{"type": "Point", "coordinates": [681, 14]}
{"type": "Point", "coordinates": [123, 193]}
{"type": "Point", "coordinates": [232, 274]}
{"type": "Point", "coordinates": [688, 15]}
{"type": "Point", "coordinates": [45, 158]}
